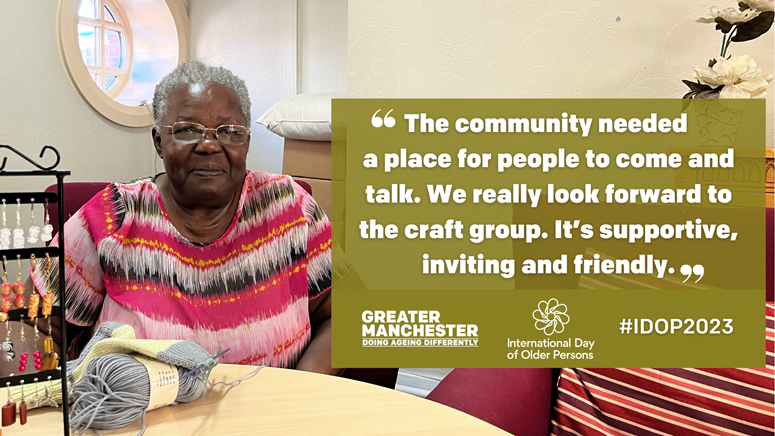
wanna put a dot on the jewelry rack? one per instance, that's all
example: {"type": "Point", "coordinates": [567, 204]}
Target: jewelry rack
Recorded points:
{"type": "Point", "coordinates": [40, 253]}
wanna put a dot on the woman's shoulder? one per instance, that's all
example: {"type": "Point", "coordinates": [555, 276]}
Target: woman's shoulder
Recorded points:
{"type": "Point", "coordinates": [259, 183]}
{"type": "Point", "coordinates": [116, 199]}
{"type": "Point", "coordinates": [257, 178]}
{"type": "Point", "coordinates": [269, 193]}
{"type": "Point", "coordinates": [138, 194]}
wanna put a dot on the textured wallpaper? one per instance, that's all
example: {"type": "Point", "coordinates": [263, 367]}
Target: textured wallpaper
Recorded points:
{"type": "Point", "coordinates": [41, 106]}
{"type": "Point", "coordinates": [322, 47]}
{"type": "Point", "coordinates": [535, 49]}
{"type": "Point", "coordinates": [257, 41]}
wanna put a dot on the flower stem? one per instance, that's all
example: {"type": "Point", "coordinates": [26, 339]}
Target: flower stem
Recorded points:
{"type": "Point", "coordinates": [723, 43]}
{"type": "Point", "coordinates": [732, 33]}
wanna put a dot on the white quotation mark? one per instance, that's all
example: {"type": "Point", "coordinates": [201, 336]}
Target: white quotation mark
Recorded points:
{"type": "Point", "coordinates": [687, 270]}
{"type": "Point", "coordinates": [388, 120]}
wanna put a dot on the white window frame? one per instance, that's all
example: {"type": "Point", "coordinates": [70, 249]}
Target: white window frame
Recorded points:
{"type": "Point", "coordinates": [80, 74]}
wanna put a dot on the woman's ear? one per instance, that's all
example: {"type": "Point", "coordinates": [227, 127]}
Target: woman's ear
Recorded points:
{"type": "Point", "coordinates": [156, 135]}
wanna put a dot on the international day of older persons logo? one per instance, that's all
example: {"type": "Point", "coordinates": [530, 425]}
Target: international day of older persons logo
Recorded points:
{"type": "Point", "coordinates": [551, 316]}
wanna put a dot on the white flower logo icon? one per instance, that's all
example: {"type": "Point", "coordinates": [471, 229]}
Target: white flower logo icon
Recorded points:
{"type": "Point", "coordinates": [551, 316]}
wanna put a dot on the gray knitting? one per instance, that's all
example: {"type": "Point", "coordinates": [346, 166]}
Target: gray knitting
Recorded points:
{"type": "Point", "coordinates": [187, 355]}
{"type": "Point", "coordinates": [182, 354]}
{"type": "Point", "coordinates": [104, 331]}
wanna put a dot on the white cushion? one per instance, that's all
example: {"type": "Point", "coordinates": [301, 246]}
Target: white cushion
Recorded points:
{"type": "Point", "coordinates": [306, 117]}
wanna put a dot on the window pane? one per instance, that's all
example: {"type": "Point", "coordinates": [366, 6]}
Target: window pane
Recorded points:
{"type": "Point", "coordinates": [113, 52]}
{"type": "Point", "coordinates": [110, 81]}
{"type": "Point", "coordinates": [87, 39]}
{"type": "Point", "coordinates": [88, 9]}
{"type": "Point", "coordinates": [96, 78]}
{"type": "Point", "coordinates": [109, 16]}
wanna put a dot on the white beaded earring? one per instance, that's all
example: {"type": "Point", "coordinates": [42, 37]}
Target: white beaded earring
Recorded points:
{"type": "Point", "coordinates": [48, 229]}
{"type": "Point", "coordinates": [5, 232]}
{"type": "Point", "coordinates": [18, 232]}
{"type": "Point", "coordinates": [34, 229]}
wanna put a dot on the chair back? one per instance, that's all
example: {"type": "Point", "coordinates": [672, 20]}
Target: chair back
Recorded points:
{"type": "Point", "coordinates": [76, 195]}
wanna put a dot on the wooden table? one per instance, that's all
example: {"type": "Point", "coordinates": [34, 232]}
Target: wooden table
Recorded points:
{"type": "Point", "coordinates": [287, 402]}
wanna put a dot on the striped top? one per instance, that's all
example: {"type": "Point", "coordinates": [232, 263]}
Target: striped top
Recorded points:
{"type": "Point", "coordinates": [658, 402]}
{"type": "Point", "coordinates": [248, 291]}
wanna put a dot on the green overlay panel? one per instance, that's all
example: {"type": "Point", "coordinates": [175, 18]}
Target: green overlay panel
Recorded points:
{"type": "Point", "coordinates": [531, 220]}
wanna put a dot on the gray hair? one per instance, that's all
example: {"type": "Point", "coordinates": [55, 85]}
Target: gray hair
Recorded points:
{"type": "Point", "coordinates": [198, 72]}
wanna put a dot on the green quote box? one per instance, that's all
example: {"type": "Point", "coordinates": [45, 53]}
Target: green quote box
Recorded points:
{"type": "Point", "coordinates": [645, 210]}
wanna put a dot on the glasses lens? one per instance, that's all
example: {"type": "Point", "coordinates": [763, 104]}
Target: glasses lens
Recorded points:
{"type": "Point", "coordinates": [232, 135]}
{"type": "Point", "coordinates": [187, 132]}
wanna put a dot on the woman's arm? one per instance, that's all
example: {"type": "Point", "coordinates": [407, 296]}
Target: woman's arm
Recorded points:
{"type": "Point", "coordinates": [317, 357]}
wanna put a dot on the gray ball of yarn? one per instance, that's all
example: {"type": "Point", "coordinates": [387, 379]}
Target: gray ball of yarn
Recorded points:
{"type": "Point", "coordinates": [115, 391]}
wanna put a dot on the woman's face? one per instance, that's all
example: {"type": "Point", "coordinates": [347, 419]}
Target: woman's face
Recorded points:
{"type": "Point", "coordinates": [206, 172]}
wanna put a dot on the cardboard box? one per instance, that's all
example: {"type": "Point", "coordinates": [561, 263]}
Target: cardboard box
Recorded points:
{"type": "Point", "coordinates": [321, 192]}
{"type": "Point", "coordinates": [307, 159]}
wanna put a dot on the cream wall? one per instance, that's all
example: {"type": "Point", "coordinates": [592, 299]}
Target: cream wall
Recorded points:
{"type": "Point", "coordinates": [280, 48]}
{"type": "Point", "coordinates": [257, 41]}
{"type": "Point", "coordinates": [41, 106]}
{"type": "Point", "coordinates": [535, 49]}
{"type": "Point", "coordinates": [322, 48]}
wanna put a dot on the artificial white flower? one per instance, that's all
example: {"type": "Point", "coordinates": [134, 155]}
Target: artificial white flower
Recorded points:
{"type": "Point", "coordinates": [738, 75]}
{"type": "Point", "coordinates": [761, 5]}
{"type": "Point", "coordinates": [730, 15]}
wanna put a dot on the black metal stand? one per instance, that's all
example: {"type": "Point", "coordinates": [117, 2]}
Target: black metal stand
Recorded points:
{"type": "Point", "coordinates": [40, 252]}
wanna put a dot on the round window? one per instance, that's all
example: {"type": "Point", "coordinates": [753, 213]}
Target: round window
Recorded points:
{"type": "Point", "coordinates": [116, 51]}
{"type": "Point", "coordinates": [104, 37]}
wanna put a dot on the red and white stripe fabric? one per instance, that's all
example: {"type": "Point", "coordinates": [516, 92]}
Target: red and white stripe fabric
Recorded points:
{"type": "Point", "coordinates": [659, 402]}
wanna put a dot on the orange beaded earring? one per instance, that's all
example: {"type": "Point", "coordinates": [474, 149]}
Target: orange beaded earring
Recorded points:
{"type": "Point", "coordinates": [18, 287]}
{"type": "Point", "coordinates": [32, 312]}
{"type": "Point", "coordinates": [48, 299]}
{"type": "Point", "coordinates": [5, 290]}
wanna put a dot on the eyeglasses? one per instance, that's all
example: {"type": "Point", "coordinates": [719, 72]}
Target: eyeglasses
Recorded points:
{"type": "Point", "coordinates": [186, 132]}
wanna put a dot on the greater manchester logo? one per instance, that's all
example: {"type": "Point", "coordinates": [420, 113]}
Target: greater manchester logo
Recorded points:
{"type": "Point", "coordinates": [551, 316]}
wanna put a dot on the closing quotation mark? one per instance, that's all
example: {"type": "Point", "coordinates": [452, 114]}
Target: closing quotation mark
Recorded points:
{"type": "Point", "coordinates": [378, 122]}
{"type": "Point", "coordinates": [687, 270]}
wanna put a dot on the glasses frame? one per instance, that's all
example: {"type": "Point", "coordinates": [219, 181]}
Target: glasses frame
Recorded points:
{"type": "Point", "coordinates": [215, 130]}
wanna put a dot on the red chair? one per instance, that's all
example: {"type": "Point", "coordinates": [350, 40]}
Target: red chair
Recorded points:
{"type": "Point", "coordinates": [78, 193]}
{"type": "Point", "coordinates": [515, 400]}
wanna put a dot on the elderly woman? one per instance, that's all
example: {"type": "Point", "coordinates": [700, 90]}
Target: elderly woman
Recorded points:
{"type": "Point", "coordinates": [207, 251]}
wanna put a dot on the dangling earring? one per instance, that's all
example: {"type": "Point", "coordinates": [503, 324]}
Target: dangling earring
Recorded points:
{"type": "Point", "coordinates": [35, 403]}
{"type": "Point", "coordinates": [50, 359]}
{"type": "Point", "coordinates": [5, 232]}
{"type": "Point", "coordinates": [18, 287]}
{"type": "Point", "coordinates": [34, 229]}
{"type": "Point", "coordinates": [50, 394]}
{"type": "Point", "coordinates": [22, 407]}
{"type": "Point", "coordinates": [9, 410]}
{"type": "Point", "coordinates": [36, 354]}
{"type": "Point", "coordinates": [18, 232]}
{"type": "Point", "coordinates": [5, 305]}
{"type": "Point", "coordinates": [7, 346]}
{"type": "Point", "coordinates": [23, 356]}
{"type": "Point", "coordinates": [5, 290]}
{"type": "Point", "coordinates": [32, 312]}
{"type": "Point", "coordinates": [48, 229]}
{"type": "Point", "coordinates": [48, 299]}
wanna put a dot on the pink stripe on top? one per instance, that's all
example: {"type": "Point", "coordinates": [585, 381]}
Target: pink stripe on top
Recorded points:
{"type": "Point", "coordinates": [247, 291]}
